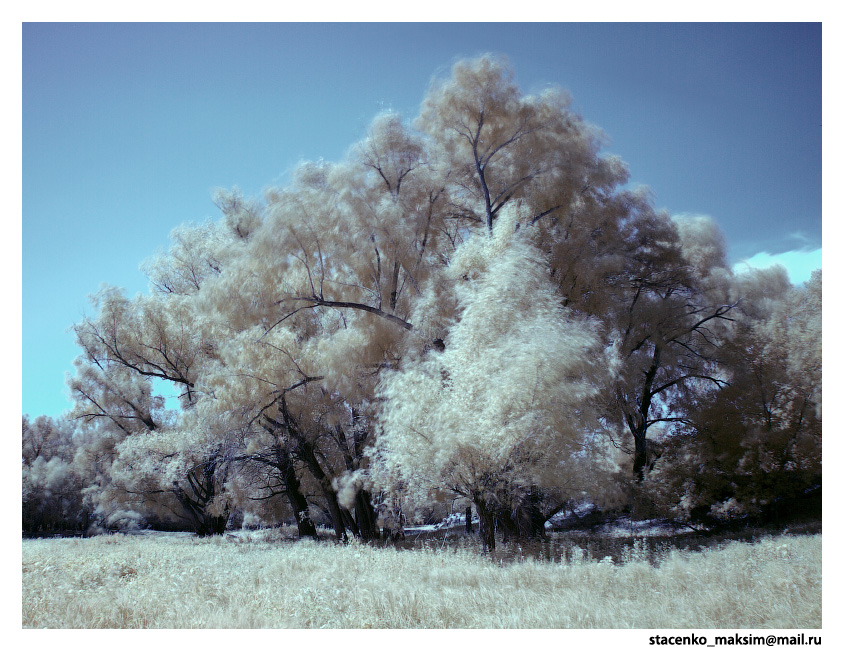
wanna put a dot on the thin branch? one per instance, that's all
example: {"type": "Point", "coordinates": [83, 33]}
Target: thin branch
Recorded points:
{"type": "Point", "coordinates": [318, 301]}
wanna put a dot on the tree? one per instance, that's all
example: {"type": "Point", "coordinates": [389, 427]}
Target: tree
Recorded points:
{"type": "Point", "coordinates": [669, 306]}
{"type": "Point", "coordinates": [503, 413]}
{"type": "Point", "coordinates": [474, 300]}
{"type": "Point", "coordinates": [269, 382]}
{"type": "Point", "coordinates": [611, 254]}
{"type": "Point", "coordinates": [759, 438]}
{"type": "Point", "coordinates": [318, 304]}
{"type": "Point", "coordinates": [187, 465]}
{"type": "Point", "coordinates": [132, 344]}
{"type": "Point", "coordinates": [52, 487]}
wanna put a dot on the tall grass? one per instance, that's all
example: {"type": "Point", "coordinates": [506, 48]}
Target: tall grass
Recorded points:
{"type": "Point", "coordinates": [157, 581]}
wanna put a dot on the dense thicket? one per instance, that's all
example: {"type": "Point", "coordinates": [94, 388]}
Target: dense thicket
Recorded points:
{"type": "Point", "coordinates": [52, 485]}
{"type": "Point", "coordinates": [473, 309]}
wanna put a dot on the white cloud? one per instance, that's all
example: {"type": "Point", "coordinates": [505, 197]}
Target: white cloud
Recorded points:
{"type": "Point", "coordinates": [799, 264]}
{"type": "Point", "coordinates": [806, 242]}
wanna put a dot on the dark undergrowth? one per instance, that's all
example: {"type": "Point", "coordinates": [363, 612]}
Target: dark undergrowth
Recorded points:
{"type": "Point", "coordinates": [586, 543]}
{"type": "Point", "coordinates": [580, 545]}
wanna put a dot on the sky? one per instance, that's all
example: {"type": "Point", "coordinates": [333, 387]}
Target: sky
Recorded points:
{"type": "Point", "coordinates": [128, 128]}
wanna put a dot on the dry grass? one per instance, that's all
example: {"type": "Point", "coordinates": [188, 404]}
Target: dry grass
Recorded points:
{"type": "Point", "coordinates": [259, 581]}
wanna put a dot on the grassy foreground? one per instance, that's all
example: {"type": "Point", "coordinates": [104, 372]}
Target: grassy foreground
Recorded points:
{"type": "Point", "coordinates": [156, 581]}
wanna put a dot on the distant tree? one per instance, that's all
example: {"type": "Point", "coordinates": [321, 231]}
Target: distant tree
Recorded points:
{"type": "Point", "coordinates": [52, 488]}
{"type": "Point", "coordinates": [44, 437]}
{"type": "Point", "coordinates": [759, 438]}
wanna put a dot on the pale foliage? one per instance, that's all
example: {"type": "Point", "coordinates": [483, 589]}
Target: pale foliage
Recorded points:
{"type": "Point", "coordinates": [501, 146]}
{"type": "Point", "coordinates": [702, 243]}
{"type": "Point", "coordinates": [46, 478]}
{"type": "Point", "coordinates": [169, 582]}
{"type": "Point", "coordinates": [199, 252]}
{"type": "Point", "coordinates": [492, 225]}
{"type": "Point", "coordinates": [147, 456]}
{"type": "Point", "coordinates": [507, 405]}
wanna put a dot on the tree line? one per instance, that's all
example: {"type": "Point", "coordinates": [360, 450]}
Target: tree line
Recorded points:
{"type": "Point", "coordinates": [472, 307]}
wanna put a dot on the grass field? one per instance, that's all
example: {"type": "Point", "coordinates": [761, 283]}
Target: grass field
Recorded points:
{"type": "Point", "coordinates": [262, 580]}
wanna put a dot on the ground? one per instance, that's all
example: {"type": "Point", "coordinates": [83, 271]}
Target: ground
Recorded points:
{"type": "Point", "coordinates": [265, 579]}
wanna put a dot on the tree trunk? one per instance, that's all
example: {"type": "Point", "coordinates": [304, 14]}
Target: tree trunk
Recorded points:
{"type": "Point", "coordinates": [298, 504]}
{"type": "Point", "coordinates": [486, 526]}
{"type": "Point", "coordinates": [640, 456]}
{"type": "Point", "coordinates": [349, 521]}
{"type": "Point", "coordinates": [529, 519]}
{"type": "Point", "coordinates": [365, 516]}
{"type": "Point", "coordinates": [639, 424]}
{"type": "Point", "coordinates": [364, 524]}
{"type": "Point", "coordinates": [306, 452]}
{"type": "Point", "coordinates": [212, 525]}
{"type": "Point", "coordinates": [201, 481]}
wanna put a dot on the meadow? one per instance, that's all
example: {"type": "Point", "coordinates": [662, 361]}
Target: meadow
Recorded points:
{"type": "Point", "coordinates": [265, 580]}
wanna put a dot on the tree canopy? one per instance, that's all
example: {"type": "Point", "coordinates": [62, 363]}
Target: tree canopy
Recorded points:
{"type": "Point", "coordinates": [472, 304]}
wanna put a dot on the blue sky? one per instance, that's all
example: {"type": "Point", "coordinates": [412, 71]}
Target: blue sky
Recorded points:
{"type": "Point", "coordinates": [128, 128]}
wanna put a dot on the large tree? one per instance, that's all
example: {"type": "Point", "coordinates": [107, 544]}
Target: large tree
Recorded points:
{"type": "Point", "coordinates": [611, 254]}
{"type": "Point", "coordinates": [503, 412]}
{"type": "Point", "coordinates": [317, 304]}
{"type": "Point", "coordinates": [670, 309]}
{"type": "Point", "coordinates": [471, 271]}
